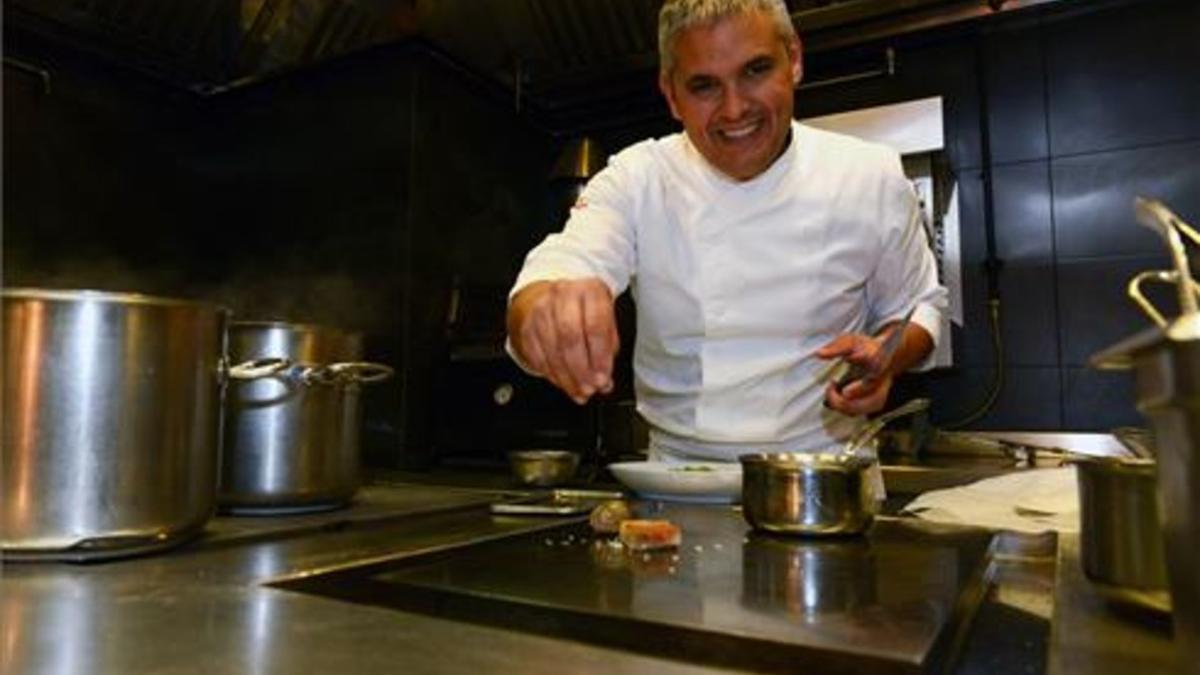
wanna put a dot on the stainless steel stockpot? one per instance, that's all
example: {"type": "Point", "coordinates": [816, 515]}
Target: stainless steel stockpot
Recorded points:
{"type": "Point", "coordinates": [292, 440]}
{"type": "Point", "coordinates": [1120, 540]}
{"type": "Point", "coordinates": [111, 413]}
{"type": "Point", "coordinates": [809, 493]}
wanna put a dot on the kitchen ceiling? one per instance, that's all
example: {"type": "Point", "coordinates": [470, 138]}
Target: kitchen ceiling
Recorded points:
{"type": "Point", "coordinates": [558, 60]}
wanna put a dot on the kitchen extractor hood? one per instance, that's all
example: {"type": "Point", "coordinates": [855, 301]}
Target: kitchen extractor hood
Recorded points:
{"type": "Point", "coordinates": [549, 56]}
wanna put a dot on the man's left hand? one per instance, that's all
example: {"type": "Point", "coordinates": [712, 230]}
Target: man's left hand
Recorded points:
{"type": "Point", "coordinates": [867, 394]}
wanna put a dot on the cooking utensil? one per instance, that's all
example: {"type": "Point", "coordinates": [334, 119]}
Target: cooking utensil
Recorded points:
{"type": "Point", "coordinates": [886, 351]}
{"type": "Point", "coordinates": [543, 468]}
{"type": "Point", "coordinates": [1156, 216]}
{"type": "Point", "coordinates": [291, 441]}
{"type": "Point", "coordinates": [871, 429]}
{"type": "Point", "coordinates": [808, 493]}
{"type": "Point", "coordinates": [1166, 363]}
{"type": "Point", "coordinates": [111, 413]}
{"type": "Point", "coordinates": [1121, 545]}
{"type": "Point", "coordinates": [1171, 277]}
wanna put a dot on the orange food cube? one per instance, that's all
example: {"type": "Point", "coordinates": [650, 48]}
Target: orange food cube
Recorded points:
{"type": "Point", "coordinates": [646, 535]}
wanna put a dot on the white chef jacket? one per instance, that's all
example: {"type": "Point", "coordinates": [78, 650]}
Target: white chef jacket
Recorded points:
{"type": "Point", "coordinates": [737, 284]}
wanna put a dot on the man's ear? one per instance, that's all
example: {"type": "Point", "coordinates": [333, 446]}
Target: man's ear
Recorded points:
{"type": "Point", "coordinates": [796, 57]}
{"type": "Point", "coordinates": [668, 92]}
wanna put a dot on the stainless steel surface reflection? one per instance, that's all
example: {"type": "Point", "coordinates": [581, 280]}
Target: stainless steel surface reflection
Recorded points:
{"type": "Point", "coordinates": [807, 578]}
{"type": "Point", "coordinates": [893, 598]}
{"type": "Point", "coordinates": [203, 609]}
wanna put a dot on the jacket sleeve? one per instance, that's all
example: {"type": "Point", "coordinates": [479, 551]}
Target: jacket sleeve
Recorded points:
{"type": "Point", "coordinates": [906, 273]}
{"type": "Point", "coordinates": [598, 239]}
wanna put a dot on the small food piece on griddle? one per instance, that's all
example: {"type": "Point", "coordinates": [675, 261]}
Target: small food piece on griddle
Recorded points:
{"type": "Point", "coordinates": [607, 518]}
{"type": "Point", "coordinates": [647, 535]}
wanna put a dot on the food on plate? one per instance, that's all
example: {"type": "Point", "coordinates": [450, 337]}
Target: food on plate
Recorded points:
{"type": "Point", "coordinates": [607, 517]}
{"type": "Point", "coordinates": [648, 535]}
{"type": "Point", "coordinates": [692, 468]}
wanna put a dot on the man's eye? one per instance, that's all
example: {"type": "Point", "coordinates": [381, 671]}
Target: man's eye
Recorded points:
{"type": "Point", "coordinates": [702, 88]}
{"type": "Point", "coordinates": [759, 68]}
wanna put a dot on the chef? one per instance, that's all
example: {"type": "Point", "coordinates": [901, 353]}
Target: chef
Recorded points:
{"type": "Point", "coordinates": [759, 253]}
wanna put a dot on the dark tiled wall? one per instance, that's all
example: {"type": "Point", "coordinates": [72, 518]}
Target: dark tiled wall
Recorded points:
{"type": "Point", "coordinates": [1082, 115]}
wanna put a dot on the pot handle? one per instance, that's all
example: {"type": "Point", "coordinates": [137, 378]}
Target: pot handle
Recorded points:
{"type": "Point", "coordinates": [363, 372]}
{"type": "Point", "coordinates": [1134, 291]}
{"type": "Point", "coordinates": [258, 368]}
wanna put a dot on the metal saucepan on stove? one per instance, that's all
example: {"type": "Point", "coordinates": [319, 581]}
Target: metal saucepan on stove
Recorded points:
{"type": "Point", "coordinates": [808, 493]}
{"type": "Point", "coordinates": [833, 492]}
{"type": "Point", "coordinates": [111, 417]}
{"type": "Point", "coordinates": [1121, 540]}
{"type": "Point", "coordinates": [292, 440]}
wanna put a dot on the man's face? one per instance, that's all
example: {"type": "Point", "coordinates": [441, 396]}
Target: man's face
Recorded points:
{"type": "Point", "coordinates": [732, 88]}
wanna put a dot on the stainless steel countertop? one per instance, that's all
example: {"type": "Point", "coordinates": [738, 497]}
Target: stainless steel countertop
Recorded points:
{"type": "Point", "coordinates": [203, 608]}
{"type": "Point", "coordinates": [1092, 635]}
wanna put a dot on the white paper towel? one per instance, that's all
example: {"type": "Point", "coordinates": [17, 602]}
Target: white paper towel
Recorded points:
{"type": "Point", "coordinates": [1036, 500]}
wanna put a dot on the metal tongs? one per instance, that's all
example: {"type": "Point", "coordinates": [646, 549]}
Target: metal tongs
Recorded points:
{"type": "Point", "coordinates": [844, 372]}
{"type": "Point", "coordinates": [1156, 216]}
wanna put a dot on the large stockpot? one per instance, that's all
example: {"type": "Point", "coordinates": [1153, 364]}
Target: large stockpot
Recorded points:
{"type": "Point", "coordinates": [111, 414]}
{"type": "Point", "coordinates": [827, 493]}
{"type": "Point", "coordinates": [292, 440]}
{"type": "Point", "coordinates": [1121, 543]}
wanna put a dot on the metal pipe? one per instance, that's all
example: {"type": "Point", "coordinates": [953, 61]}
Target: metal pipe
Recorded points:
{"type": "Point", "coordinates": [30, 69]}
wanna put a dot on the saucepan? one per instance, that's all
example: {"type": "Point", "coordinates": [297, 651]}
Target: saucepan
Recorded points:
{"type": "Point", "coordinates": [833, 492]}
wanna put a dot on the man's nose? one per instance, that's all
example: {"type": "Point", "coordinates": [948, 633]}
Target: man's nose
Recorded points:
{"type": "Point", "coordinates": [733, 104]}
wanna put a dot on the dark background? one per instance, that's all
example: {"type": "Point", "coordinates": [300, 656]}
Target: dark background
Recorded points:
{"type": "Point", "coordinates": [363, 191]}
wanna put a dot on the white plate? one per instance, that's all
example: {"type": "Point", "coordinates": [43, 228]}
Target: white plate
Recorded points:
{"type": "Point", "coordinates": [697, 482]}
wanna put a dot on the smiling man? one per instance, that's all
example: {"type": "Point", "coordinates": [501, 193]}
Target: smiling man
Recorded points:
{"type": "Point", "coordinates": [758, 250]}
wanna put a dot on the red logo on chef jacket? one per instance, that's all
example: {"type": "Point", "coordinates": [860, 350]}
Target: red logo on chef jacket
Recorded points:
{"type": "Point", "coordinates": [580, 203]}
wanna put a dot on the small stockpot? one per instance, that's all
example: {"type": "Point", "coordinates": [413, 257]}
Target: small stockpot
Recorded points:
{"type": "Point", "coordinates": [809, 493]}
{"type": "Point", "coordinates": [291, 441]}
{"type": "Point", "coordinates": [1120, 539]}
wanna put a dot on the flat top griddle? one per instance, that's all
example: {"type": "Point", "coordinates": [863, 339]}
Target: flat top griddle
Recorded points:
{"type": "Point", "coordinates": [897, 599]}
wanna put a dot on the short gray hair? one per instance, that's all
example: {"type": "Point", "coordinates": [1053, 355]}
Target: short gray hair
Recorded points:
{"type": "Point", "coordinates": [677, 15]}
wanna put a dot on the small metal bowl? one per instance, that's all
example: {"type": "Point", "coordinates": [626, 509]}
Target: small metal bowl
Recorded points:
{"type": "Point", "coordinates": [543, 468]}
{"type": "Point", "coordinates": [819, 494]}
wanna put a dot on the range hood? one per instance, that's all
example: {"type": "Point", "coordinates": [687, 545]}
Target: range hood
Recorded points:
{"type": "Point", "coordinates": [550, 56]}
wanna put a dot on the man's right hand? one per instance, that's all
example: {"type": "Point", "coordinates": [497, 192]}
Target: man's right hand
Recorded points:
{"type": "Point", "coordinates": [567, 331]}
